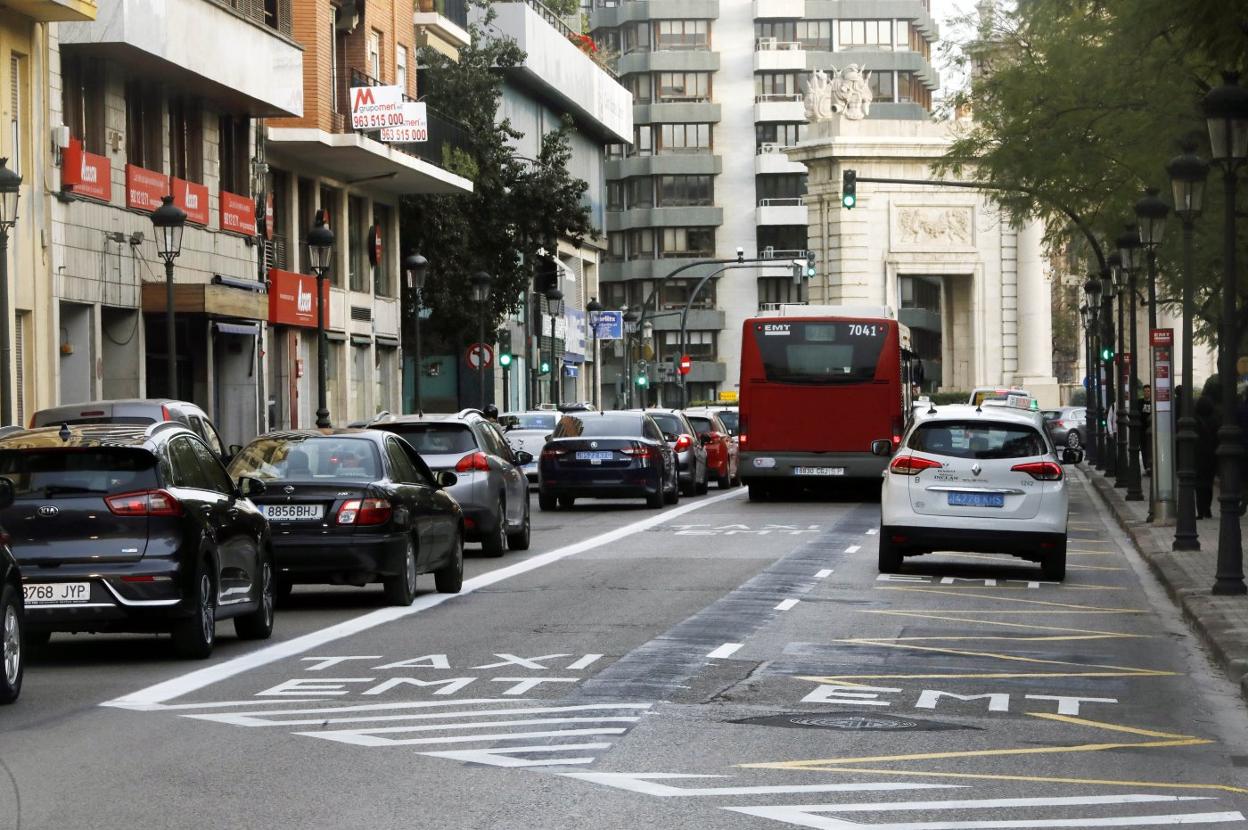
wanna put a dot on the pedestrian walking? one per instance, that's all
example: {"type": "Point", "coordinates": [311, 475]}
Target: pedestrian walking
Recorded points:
{"type": "Point", "coordinates": [1144, 408]}
{"type": "Point", "coordinates": [1206, 452]}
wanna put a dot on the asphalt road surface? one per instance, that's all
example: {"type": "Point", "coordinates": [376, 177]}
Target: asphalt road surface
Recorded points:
{"type": "Point", "coordinates": [720, 664]}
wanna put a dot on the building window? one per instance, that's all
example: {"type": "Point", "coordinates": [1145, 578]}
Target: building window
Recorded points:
{"type": "Point", "coordinates": [636, 37]}
{"type": "Point", "coordinates": [383, 273]}
{"type": "Point", "coordinates": [775, 290]}
{"type": "Point", "coordinates": [374, 54]}
{"type": "Point", "coordinates": [684, 86]}
{"type": "Point", "coordinates": [815, 34]}
{"type": "Point", "coordinates": [332, 213]}
{"type": "Point", "coordinates": [361, 368]}
{"type": "Point", "coordinates": [776, 86]}
{"type": "Point", "coordinates": [387, 371]}
{"type": "Point", "coordinates": [235, 154]}
{"type": "Point", "coordinates": [616, 246]}
{"type": "Point", "coordinates": [615, 196]}
{"type": "Point", "coordinates": [641, 244]}
{"type": "Point", "coordinates": [699, 345]}
{"type": "Point", "coordinates": [684, 138]}
{"type": "Point", "coordinates": [186, 139]}
{"type": "Point", "coordinates": [866, 34]}
{"type": "Point", "coordinates": [688, 242]}
{"type": "Point", "coordinates": [640, 192]}
{"type": "Point", "coordinates": [357, 245]}
{"type": "Point", "coordinates": [144, 125]}
{"type": "Point", "coordinates": [675, 293]}
{"type": "Point", "coordinates": [682, 34]}
{"type": "Point", "coordinates": [684, 191]}
{"type": "Point", "coordinates": [911, 90]}
{"type": "Point", "coordinates": [881, 84]}
{"type": "Point", "coordinates": [83, 96]}
{"type": "Point", "coordinates": [640, 86]}
{"type": "Point", "coordinates": [777, 135]}
{"type": "Point", "coordinates": [643, 144]}
{"type": "Point", "coordinates": [400, 68]}
{"type": "Point", "coordinates": [614, 294]}
{"type": "Point", "coordinates": [786, 238]}
{"type": "Point", "coordinates": [782, 186]}
{"type": "Point", "coordinates": [769, 32]}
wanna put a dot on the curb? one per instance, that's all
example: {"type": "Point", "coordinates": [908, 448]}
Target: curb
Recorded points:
{"type": "Point", "coordinates": [1227, 641]}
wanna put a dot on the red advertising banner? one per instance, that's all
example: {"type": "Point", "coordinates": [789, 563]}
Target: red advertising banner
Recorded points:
{"type": "Point", "coordinates": [292, 299]}
{"type": "Point", "coordinates": [192, 198]}
{"type": "Point", "coordinates": [86, 174]}
{"type": "Point", "coordinates": [238, 214]}
{"type": "Point", "coordinates": [1161, 337]}
{"type": "Point", "coordinates": [144, 188]}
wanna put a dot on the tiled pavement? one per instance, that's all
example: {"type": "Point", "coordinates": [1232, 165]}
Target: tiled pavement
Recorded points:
{"type": "Point", "coordinates": [1221, 621]}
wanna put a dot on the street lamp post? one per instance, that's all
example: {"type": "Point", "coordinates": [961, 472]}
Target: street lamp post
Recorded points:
{"type": "Point", "coordinates": [630, 328]}
{"type": "Point", "coordinates": [592, 308]}
{"type": "Point", "coordinates": [416, 268]}
{"type": "Point", "coordinates": [1111, 390]}
{"type": "Point", "coordinates": [10, 188]}
{"type": "Point", "coordinates": [1087, 357]}
{"type": "Point", "coordinates": [480, 294]}
{"type": "Point", "coordinates": [1226, 116]}
{"type": "Point", "coordinates": [1092, 289]}
{"type": "Point", "coordinates": [1118, 282]}
{"type": "Point", "coordinates": [554, 305]}
{"type": "Point", "coordinates": [1129, 248]}
{"type": "Point", "coordinates": [1187, 181]}
{"type": "Point", "coordinates": [1150, 214]}
{"type": "Point", "coordinates": [647, 336]}
{"type": "Point", "coordinates": [169, 221]}
{"type": "Point", "coordinates": [320, 245]}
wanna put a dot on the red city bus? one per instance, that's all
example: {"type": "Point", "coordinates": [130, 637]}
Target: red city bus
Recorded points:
{"type": "Point", "coordinates": [818, 385]}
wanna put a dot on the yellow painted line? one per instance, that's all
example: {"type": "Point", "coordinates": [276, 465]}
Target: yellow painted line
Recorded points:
{"type": "Point", "coordinates": [1045, 603]}
{"type": "Point", "coordinates": [983, 776]}
{"type": "Point", "coordinates": [951, 587]}
{"type": "Point", "coordinates": [845, 679]}
{"type": "Point", "coordinates": [1003, 624]}
{"type": "Point", "coordinates": [993, 637]}
{"type": "Point", "coordinates": [1007, 657]}
{"type": "Point", "coordinates": [1112, 727]}
{"type": "Point", "coordinates": [1011, 612]}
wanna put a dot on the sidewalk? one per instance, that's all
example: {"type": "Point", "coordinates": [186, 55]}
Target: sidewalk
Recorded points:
{"type": "Point", "coordinates": [1187, 576]}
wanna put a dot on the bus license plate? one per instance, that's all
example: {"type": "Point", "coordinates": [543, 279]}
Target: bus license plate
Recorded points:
{"type": "Point", "coordinates": [292, 512]}
{"type": "Point", "coordinates": [977, 499]}
{"type": "Point", "coordinates": [818, 471]}
{"type": "Point", "coordinates": [56, 593]}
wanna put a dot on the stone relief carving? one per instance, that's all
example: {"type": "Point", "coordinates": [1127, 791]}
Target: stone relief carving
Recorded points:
{"type": "Point", "coordinates": [927, 225]}
{"type": "Point", "coordinates": [846, 92]}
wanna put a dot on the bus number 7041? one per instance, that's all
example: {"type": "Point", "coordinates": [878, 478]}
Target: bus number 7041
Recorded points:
{"type": "Point", "coordinates": [863, 330]}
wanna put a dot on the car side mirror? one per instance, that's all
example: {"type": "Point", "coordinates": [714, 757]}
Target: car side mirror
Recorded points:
{"type": "Point", "coordinates": [249, 486]}
{"type": "Point", "coordinates": [446, 478]}
{"type": "Point", "coordinates": [6, 493]}
{"type": "Point", "coordinates": [523, 457]}
{"type": "Point", "coordinates": [1072, 455]}
{"type": "Point", "coordinates": [882, 447]}
{"type": "Point", "coordinates": [549, 436]}
{"type": "Point", "coordinates": [671, 437]}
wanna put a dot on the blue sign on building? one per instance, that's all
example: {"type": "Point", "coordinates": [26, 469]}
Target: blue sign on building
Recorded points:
{"type": "Point", "coordinates": [609, 325]}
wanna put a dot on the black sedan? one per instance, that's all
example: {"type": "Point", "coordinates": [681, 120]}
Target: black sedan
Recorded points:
{"type": "Point", "coordinates": [354, 506]}
{"type": "Point", "coordinates": [607, 455]}
{"type": "Point", "coordinates": [12, 624]}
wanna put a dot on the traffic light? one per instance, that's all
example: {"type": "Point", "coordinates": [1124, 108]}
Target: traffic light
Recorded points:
{"type": "Point", "coordinates": [811, 269]}
{"type": "Point", "coordinates": [849, 188]}
{"type": "Point", "coordinates": [544, 366]}
{"type": "Point", "coordinates": [504, 348]}
{"type": "Point", "coordinates": [1107, 354]}
{"type": "Point", "coordinates": [643, 380]}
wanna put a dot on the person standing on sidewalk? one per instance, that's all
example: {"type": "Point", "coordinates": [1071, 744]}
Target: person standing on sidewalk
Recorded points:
{"type": "Point", "coordinates": [1144, 409]}
{"type": "Point", "coordinates": [1206, 450]}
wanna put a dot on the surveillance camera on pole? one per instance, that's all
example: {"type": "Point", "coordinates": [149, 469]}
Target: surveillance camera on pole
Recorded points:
{"type": "Point", "coordinates": [740, 254]}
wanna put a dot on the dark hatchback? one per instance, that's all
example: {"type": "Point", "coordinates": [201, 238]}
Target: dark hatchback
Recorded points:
{"type": "Point", "coordinates": [354, 506]}
{"type": "Point", "coordinates": [135, 528]}
{"type": "Point", "coordinates": [607, 455]}
{"type": "Point", "coordinates": [12, 616]}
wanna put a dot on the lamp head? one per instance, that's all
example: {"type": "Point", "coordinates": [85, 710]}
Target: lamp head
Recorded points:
{"type": "Point", "coordinates": [169, 221]}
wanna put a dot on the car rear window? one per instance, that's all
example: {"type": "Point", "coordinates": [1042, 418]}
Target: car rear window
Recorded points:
{"type": "Point", "coordinates": [538, 420]}
{"type": "Point", "coordinates": [669, 422]}
{"type": "Point", "coordinates": [820, 352]}
{"type": "Point", "coordinates": [100, 419]}
{"type": "Point", "coordinates": [701, 424]}
{"type": "Point", "coordinates": [47, 473]}
{"type": "Point", "coordinates": [729, 420]}
{"type": "Point", "coordinates": [597, 425]}
{"type": "Point", "coordinates": [307, 458]}
{"type": "Point", "coordinates": [435, 439]}
{"type": "Point", "coordinates": [977, 439]}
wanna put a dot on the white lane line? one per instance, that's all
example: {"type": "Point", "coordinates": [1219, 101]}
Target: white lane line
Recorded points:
{"type": "Point", "coordinates": [652, 784]}
{"type": "Point", "coordinates": [369, 739]}
{"type": "Point", "coordinates": [1002, 803]}
{"type": "Point", "coordinates": [268, 719]}
{"type": "Point", "coordinates": [787, 604]}
{"type": "Point", "coordinates": [824, 574]}
{"type": "Point", "coordinates": [803, 816]}
{"type": "Point", "coordinates": [192, 681]}
{"type": "Point", "coordinates": [853, 548]}
{"type": "Point", "coordinates": [726, 650]}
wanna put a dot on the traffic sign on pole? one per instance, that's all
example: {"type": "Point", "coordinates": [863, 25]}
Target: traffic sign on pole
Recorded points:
{"type": "Point", "coordinates": [686, 363]}
{"type": "Point", "coordinates": [480, 356]}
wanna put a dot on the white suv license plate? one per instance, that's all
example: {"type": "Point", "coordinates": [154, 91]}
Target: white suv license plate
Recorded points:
{"type": "Point", "coordinates": [293, 512]}
{"type": "Point", "coordinates": [56, 593]}
{"type": "Point", "coordinates": [818, 471]}
{"type": "Point", "coordinates": [977, 499]}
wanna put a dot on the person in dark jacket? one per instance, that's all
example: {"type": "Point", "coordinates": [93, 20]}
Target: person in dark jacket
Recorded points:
{"type": "Point", "coordinates": [1144, 408]}
{"type": "Point", "coordinates": [1206, 453]}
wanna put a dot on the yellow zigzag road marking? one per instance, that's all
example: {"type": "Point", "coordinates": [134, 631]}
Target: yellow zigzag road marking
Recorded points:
{"type": "Point", "coordinates": [1002, 624]}
{"type": "Point", "coordinates": [976, 753]}
{"type": "Point", "coordinates": [1011, 599]}
{"type": "Point", "coordinates": [1010, 657]}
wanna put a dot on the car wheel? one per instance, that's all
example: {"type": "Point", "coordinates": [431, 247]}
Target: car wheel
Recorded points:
{"type": "Point", "coordinates": [546, 501]}
{"type": "Point", "coordinates": [12, 662]}
{"type": "Point", "coordinates": [258, 625]}
{"type": "Point", "coordinates": [671, 495]}
{"type": "Point", "coordinates": [449, 579]}
{"type": "Point", "coordinates": [567, 502]}
{"type": "Point", "coordinates": [194, 637]}
{"type": "Point", "coordinates": [401, 589]}
{"type": "Point", "coordinates": [1073, 440]}
{"type": "Point", "coordinates": [1053, 565]}
{"type": "Point", "coordinates": [495, 542]}
{"type": "Point", "coordinates": [723, 482]}
{"type": "Point", "coordinates": [736, 478]}
{"type": "Point", "coordinates": [890, 555]}
{"type": "Point", "coordinates": [521, 538]}
{"type": "Point", "coordinates": [687, 489]}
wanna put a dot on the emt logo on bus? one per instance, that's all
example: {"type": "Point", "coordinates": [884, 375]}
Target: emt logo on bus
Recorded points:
{"type": "Point", "coordinates": [775, 328]}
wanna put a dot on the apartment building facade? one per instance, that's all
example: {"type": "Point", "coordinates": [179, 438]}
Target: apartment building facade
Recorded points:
{"type": "Point", "coordinates": [717, 90]}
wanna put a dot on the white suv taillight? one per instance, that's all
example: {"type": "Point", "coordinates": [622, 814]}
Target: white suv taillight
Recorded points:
{"type": "Point", "coordinates": [1040, 470]}
{"type": "Point", "coordinates": [910, 465]}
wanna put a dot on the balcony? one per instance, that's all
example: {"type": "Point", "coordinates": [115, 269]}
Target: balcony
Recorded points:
{"type": "Point", "coordinates": [236, 59]}
{"type": "Point", "coordinates": [669, 60]}
{"type": "Point", "coordinates": [783, 9]}
{"type": "Point", "coordinates": [557, 70]}
{"type": "Point", "coordinates": [785, 211]}
{"type": "Point", "coordinates": [671, 165]}
{"type": "Point", "coordinates": [55, 11]}
{"type": "Point", "coordinates": [771, 159]}
{"type": "Point", "coordinates": [772, 55]}
{"type": "Point", "coordinates": [442, 25]}
{"type": "Point", "coordinates": [612, 13]}
{"type": "Point", "coordinates": [778, 107]}
{"type": "Point", "coordinates": [664, 217]}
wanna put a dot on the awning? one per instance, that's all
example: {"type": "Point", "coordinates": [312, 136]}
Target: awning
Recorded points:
{"type": "Point", "coordinates": [361, 340]}
{"type": "Point", "coordinates": [354, 158]}
{"type": "Point", "coordinates": [212, 299]}
{"type": "Point", "coordinates": [391, 342]}
{"type": "Point", "coordinates": [244, 329]}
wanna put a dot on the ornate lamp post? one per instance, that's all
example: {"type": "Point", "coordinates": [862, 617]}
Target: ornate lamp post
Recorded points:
{"type": "Point", "coordinates": [1118, 281]}
{"type": "Point", "coordinates": [1092, 289]}
{"type": "Point", "coordinates": [1110, 393]}
{"type": "Point", "coordinates": [630, 328]}
{"type": "Point", "coordinates": [415, 269]}
{"type": "Point", "coordinates": [480, 295]}
{"type": "Point", "coordinates": [554, 305]}
{"type": "Point", "coordinates": [169, 221]}
{"type": "Point", "coordinates": [1150, 214]}
{"type": "Point", "coordinates": [1087, 358]}
{"type": "Point", "coordinates": [1130, 249]}
{"type": "Point", "coordinates": [320, 244]}
{"type": "Point", "coordinates": [1226, 115]}
{"type": "Point", "coordinates": [592, 308]}
{"type": "Point", "coordinates": [1187, 181]}
{"type": "Point", "coordinates": [10, 191]}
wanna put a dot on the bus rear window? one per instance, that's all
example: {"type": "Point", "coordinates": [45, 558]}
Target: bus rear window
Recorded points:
{"type": "Point", "coordinates": [820, 352]}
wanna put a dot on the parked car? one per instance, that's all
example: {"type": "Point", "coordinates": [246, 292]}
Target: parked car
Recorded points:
{"type": "Point", "coordinates": [127, 527]}
{"type": "Point", "coordinates": [139, 411]}
{"type": "Point", "coordinates": [607, 455]}
{"type": "Point", "coordinates": [527, 432]}
{"type": "Point", "coordinates": [1067, 425]}
{"type": "Point", "coordinates": [721, 448]}
{"type": "Point", "coordinates": [491, 488]}
{"type": "Point", "coordinates": [12, 615]}
{"type": "Point", "coordinates": [690, 454]}
{"type": "Point", "coordinates": [972, 479]}
{"type": "Point", "coordinates": [354, 506]}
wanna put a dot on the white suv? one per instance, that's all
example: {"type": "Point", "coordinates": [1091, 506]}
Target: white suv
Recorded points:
{"type": "Point", "coordinates": [975, 479]}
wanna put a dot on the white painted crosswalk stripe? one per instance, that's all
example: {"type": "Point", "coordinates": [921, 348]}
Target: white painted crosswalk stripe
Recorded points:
{"type": "Point", "coordinates": [726, 650]}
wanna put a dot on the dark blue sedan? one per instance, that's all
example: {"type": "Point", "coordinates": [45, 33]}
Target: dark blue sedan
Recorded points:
{"type": "Point", "coordinates": [607, 455]}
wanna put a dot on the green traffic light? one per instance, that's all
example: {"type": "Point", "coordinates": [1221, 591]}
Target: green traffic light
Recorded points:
{"type": "Point", "coordinates": [504, 360]}
{"type": "Point", "coordinates": [643, 381]}
{"type": "Point", "coordinates": [1107, 354]}
{"type": "Point", "coordinates": [849, 200]}
{"type": "Point", "coordinates": [545, 368]}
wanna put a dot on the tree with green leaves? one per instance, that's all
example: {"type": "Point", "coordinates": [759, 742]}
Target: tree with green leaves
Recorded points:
{"type": "Point", "coordinates": [1078, 105]}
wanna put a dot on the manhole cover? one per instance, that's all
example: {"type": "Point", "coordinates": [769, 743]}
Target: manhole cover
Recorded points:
{"type": "Point", "coordinates": [852, 721]}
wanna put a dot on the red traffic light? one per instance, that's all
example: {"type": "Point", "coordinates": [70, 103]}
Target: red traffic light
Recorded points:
{"type": "Point", "coordinates": [686, 363]}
